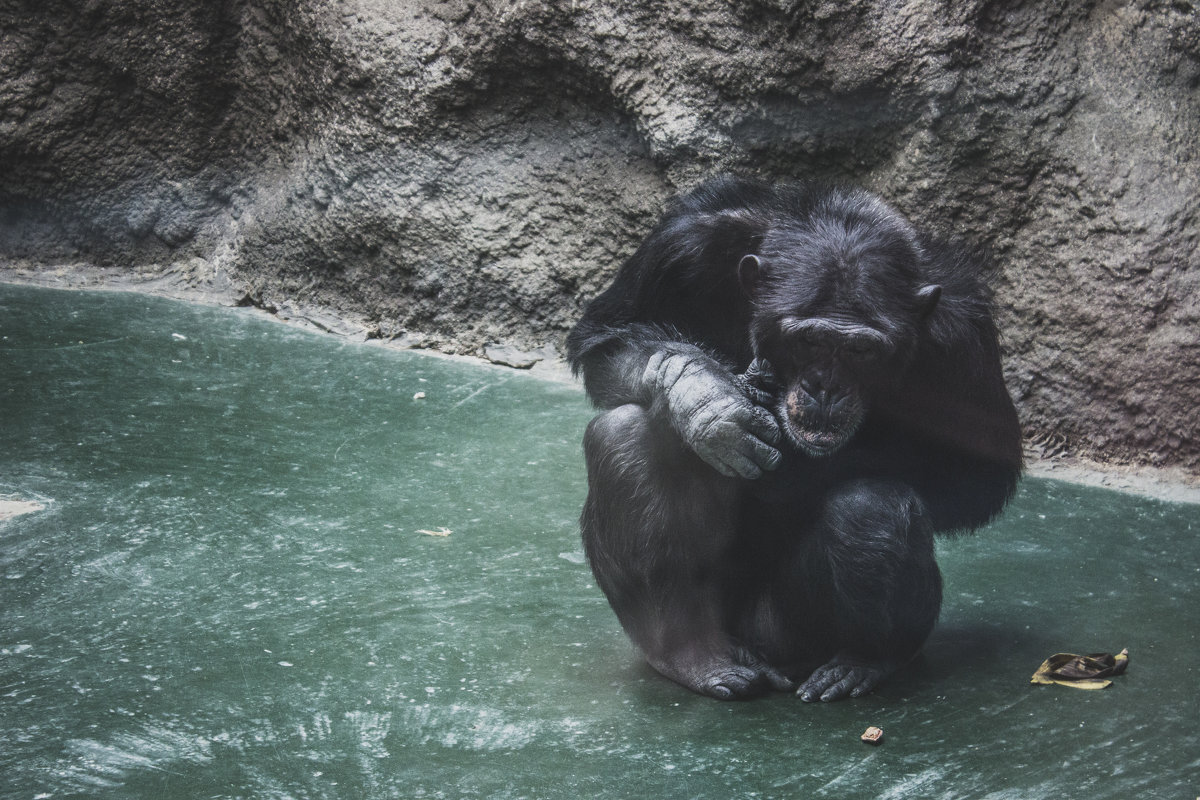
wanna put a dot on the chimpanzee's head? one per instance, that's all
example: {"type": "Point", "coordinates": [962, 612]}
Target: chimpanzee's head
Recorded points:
{"type": "Point", "coordinates": [839, 306]}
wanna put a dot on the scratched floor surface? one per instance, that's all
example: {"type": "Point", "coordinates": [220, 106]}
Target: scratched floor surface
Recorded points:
{"type": "Point", "coordinates": [252, 565]}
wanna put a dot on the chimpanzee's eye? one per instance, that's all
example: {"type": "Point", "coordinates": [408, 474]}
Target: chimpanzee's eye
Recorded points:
{"type": "Point", "coordinates": [862, 352]}
{"type": "Point", "coordinates": [813, 345]}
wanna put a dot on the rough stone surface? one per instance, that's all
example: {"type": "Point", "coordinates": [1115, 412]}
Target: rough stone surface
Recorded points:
{"type": "Point", "coordinates": [465, 173]}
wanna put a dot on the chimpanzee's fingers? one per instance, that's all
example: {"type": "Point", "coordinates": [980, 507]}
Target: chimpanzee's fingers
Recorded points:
{"type": "Point", "coordinates": [776, 679]}
{"type": "Point", "coordinates": [762, 454]}
{"type": "Point", "coordinates": [752, 392]}
{"type": "Point", "coordinates": [819, 683]}
{"type": "Point", "coordinates": [843, 677]}
{"type": "Point", "coordinates": [738, 465]}
{"type": "Point", "coordinates": [749, 456]}
{"type": "Point", "coordinates": [762, 424]}
{"type": "Point", "coordinates": [722, 456]}
{"type": "Point", "coordinates": [867, 684]}
{"type": "Point", "coordinates": [842, 688]}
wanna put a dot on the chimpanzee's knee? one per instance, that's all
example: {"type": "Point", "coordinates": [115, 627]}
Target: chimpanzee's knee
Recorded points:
{"type": "Point", "coordinates": [878, 542]}
{"type": "Point", "coordinates": [617, 438]}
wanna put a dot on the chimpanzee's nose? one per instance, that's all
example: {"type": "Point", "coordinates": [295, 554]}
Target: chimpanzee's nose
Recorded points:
{"type": "Point", "coordinates": [816, 390]}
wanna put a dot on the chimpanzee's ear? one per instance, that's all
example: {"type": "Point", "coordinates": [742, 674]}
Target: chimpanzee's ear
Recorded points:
{"type": "Point", "coordinates": [748, 273]}
{"type": "Point", "coordinates": [927, 299]}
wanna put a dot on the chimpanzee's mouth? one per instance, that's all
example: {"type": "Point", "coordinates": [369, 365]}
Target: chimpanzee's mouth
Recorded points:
{"type": "Point", "coordinates": [817, 443]}
{"type": "Point", "coordinates": [820, 442]}
{"type": "Point", "coordinates": [823, 441]}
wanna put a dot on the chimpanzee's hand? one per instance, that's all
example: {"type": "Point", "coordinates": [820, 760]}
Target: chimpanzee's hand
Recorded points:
{"type": "Point", "coordinates": [759, 383]}
{"type": "Point", "coordinates": [713, 414]}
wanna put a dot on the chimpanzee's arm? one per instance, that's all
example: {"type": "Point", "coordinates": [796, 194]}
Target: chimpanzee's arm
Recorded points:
{"type": "Point", "coordinates": [612, 359]}
{"type": "Point", "coordinates": [678, 292]}
{"type": "Point", "coordinates": [667, 330]}
{"type": "Point", "coordinates": [952, 432]}
{"type": "Point", "coordinates": [972, 461]}
{"type": "Point", "coordinates": [712, 410]}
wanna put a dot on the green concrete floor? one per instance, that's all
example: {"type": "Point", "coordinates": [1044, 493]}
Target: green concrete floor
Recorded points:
{"type": "Point", "coordinates": [228, 593]}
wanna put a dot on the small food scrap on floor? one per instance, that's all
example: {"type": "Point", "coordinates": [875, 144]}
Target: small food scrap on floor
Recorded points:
{"type": "Point", "coordinates": [1081, 672]}
{"type": "Point", "coordinates": [441, 531]}
{"type": "Point", "coordinates": [872, 735]}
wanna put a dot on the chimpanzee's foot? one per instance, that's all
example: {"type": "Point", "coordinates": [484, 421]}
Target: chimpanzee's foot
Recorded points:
{"type": "Point", "coordinates": [732, 673]}
{"type": "Point", "coordinates": [844, 676]}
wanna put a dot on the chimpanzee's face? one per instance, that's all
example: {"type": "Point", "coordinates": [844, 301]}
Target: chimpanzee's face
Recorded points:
{"type": "Point", "coordinates": [828, 370]}
{"type": "Point", "coordinates": [837, 317]}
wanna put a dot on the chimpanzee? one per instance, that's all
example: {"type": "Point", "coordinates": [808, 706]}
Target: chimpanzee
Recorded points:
{"type": "Point", "coordinates": [797, 389]}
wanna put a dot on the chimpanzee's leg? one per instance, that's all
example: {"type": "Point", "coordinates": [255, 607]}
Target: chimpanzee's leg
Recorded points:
{"type": "Point", "coordinates": [885, 585]}
{"type": "Point", "coordinates": [656, 525]}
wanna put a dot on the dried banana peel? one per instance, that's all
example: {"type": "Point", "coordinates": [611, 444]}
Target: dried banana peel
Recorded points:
{"type": "Point", "coordinates": [1081, 672]}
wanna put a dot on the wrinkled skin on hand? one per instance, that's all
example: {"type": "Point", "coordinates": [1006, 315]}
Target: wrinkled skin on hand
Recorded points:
{"type": "Point", "coordinates": [712, 412]}
{"type": "Point", "coordinates": [759, 383]}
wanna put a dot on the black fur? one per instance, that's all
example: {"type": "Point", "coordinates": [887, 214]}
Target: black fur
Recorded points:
{"type": "Point", "coordinates": [873, 346]}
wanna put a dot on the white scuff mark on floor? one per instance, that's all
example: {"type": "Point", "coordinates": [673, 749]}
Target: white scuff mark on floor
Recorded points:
{"type": "Point", "coordinates": [480, 391]}
{"type": "Point", "coordinates": [16, 508]}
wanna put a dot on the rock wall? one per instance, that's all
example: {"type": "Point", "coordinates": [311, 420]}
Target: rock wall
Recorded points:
{"type": "Point", "coordinates": [469, 172]}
